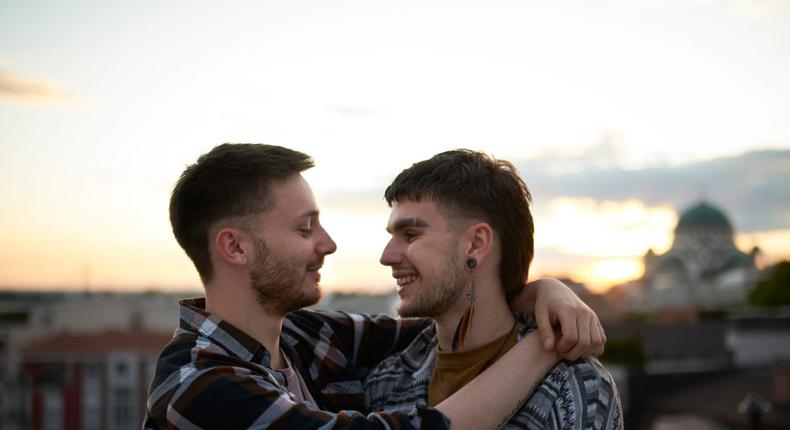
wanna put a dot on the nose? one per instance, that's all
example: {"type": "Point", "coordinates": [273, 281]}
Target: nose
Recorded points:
{"type": "Point", "coordinates": [325, 244]}
{"type": "Point", "coordinates": [391, 255]}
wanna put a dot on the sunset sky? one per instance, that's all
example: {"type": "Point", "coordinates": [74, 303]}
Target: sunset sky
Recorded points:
{"type": "Point", "coordinates": [619, 114]}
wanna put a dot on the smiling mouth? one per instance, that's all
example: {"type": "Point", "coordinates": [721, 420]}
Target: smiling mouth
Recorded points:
{"type": "Point", "coordinates": [405, 280]}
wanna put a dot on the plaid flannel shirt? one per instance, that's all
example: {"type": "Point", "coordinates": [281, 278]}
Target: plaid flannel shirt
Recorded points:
{"type": "Point", "coordinates": [573, 395]}
{"type": "Point", "coordinates": [212, 375]}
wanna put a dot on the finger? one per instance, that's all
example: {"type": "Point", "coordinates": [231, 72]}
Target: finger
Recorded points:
{"type": "Point", "coordinates": [583, 344]}
{"type": "Point", "coordinates": [592, 328]}
{"type": "Point", "coordinates": [545, 329]}
{"type": "Point", "coordinates": [602, 334]}
{"type": "Point", "coordinates": [570, 332]}
{"type": "Point", "coordinates": [596, 341]}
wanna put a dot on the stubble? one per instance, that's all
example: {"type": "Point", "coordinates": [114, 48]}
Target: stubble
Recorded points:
{"type": "Point", "coordinates": [278, 283]}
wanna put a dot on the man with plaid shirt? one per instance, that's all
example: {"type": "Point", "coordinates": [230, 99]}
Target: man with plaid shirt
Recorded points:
{"type": "Point", "coordinates": [248, 356]}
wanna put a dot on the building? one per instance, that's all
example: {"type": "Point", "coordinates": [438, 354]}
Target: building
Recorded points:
{"type": "Point", "coordinates": [703, 269]}
{"type": "Point", "coordinates": [716, 401]}
{"type": "Point", "coordinates": [91, 381]}
{"type": "Point", "coordinates": [100, 330]}
{"type": "Point", "coordinates": [684, 348]}
{"type": "Point", "coordinates": [760, 337]}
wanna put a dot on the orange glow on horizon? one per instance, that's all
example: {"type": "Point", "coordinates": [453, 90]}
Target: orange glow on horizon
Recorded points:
{"type": "Point", "coordinates": [598, 244]}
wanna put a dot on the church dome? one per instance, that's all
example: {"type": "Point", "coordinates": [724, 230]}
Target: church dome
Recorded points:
{"type": "Point", "coordinates": [703, 216]}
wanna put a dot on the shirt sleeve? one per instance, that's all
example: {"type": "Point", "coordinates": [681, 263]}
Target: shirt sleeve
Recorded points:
{"type": "Point", "coordinates": [366, 340]}
{"type": "Point", "coordinates": [602, 407]}
{"type": "Point", "coordinates": [230, 397]}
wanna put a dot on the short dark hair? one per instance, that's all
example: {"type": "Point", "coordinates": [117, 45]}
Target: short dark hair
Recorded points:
{"type": "Point", "coordinates": [231, 180]}
{"type": "Point", "coordinates": [472, 184]}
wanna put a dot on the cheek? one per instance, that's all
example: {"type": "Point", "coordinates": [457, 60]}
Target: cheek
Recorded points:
{"type": "Point", "coordinates": [414, 252]}
{"type": "Point", "coordinates": [425, 254]}
{"type": "Point", "coordinates": [296, 250]}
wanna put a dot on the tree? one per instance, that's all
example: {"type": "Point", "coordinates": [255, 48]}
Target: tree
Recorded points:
{"type": "Point", "coordinates": [774, 291]}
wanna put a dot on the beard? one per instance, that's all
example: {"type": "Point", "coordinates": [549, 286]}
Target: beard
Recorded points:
{"type": "Point", "coordinates": [437, 296]}
{"type": "Point", "coordinates": [278, 283]}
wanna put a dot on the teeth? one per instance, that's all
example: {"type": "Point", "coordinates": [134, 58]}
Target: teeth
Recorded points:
{"type": "Point", "coordinates": [403, 280]}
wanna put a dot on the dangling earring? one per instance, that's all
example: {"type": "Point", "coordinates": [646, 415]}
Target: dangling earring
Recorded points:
{"type": "Point", "coordinates": [465, 324]}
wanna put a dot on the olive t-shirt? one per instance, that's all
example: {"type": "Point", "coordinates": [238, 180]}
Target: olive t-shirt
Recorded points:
{"type": "Point", "coordinates": [455, 369]}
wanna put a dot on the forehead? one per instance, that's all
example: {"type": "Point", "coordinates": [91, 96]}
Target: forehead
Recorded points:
{"type": "Point", "coordinates": [292, 197]}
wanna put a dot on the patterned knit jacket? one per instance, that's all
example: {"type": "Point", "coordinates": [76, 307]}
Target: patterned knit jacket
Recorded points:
{"type": "Point", "coordinates": [573, 395]}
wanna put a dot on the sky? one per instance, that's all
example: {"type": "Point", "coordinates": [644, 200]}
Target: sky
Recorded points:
{"type": "Point", "coordinates": [619, 115]}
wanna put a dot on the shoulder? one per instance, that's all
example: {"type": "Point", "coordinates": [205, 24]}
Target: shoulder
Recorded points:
{"type": "Point", "coordinates": [583, 383]}
{"type": "Point", "coordinates": [191, 369]}
{"type": "Point", "coordinates": [198, 382]}
{"type": "Point", "coordinates": [175, 355]}
{"type": "Point", "coordinates": [221, 397]}
{"type": "Point", "coordinates": [576, 393]}
{"type": "Point", "coordinates": [588, 374]}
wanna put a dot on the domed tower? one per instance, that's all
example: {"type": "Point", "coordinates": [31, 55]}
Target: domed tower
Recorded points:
{"type": "Point", "coordinates": [703, 269]}
{"type": "Point", "coordinates": [704, 239]}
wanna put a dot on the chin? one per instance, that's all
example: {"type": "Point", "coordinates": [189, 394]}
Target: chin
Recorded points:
{"type": "Point", "coordinates": [313, 295]}
{"type": "Point", "coordinates": [406, 311]}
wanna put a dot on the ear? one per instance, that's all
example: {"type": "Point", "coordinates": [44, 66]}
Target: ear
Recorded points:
{"type": "Point", "coordinates": [233, 246]}
{"type": "Point", "coordinates": [481, 241]}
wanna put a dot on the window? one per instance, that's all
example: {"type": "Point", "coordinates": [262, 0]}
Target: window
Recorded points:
{"type": "Point", "coordinates": [91, 397]}
{"type": "Point", "coordinates": [121, 369]}
{"type": "Point", "coordinates": [53, 409]}
{"type": "Point", "coordinates": [122, 414]}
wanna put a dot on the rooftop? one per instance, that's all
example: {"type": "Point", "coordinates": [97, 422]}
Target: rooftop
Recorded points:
{"type": "Point", "coordinates": [98, 343]}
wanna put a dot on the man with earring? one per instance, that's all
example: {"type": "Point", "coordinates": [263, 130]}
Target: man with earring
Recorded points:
{"type": "Point", "coordinates": [460, 249]}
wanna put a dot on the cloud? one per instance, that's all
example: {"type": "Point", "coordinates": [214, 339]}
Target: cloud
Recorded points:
{"type": "Point", "coordinates": [26, 90]}
{"type": "Point", "coordinates": [603, 228]}
{"type": "Point", "coordinates": [608, 152]}
{"type": "Point", "coordinates": [751, 188]}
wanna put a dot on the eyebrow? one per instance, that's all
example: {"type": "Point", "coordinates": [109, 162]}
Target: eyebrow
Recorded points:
{"type": "Point", "coordinates": [407, 222]}
{"type": "Point", "coordinates": [311, 213]}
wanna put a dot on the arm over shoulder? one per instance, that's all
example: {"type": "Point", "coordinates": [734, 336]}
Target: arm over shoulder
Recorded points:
{"type": "Point", "coordinates": [365, 340]}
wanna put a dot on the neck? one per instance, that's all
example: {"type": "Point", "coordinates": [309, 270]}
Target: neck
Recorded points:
{"type": "Point", "coordinates": [236, 304]}
{"type": "Point", "coordinates": [492, 319]}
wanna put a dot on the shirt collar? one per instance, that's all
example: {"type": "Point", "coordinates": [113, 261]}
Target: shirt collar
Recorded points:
{"type": "Point", "coordinates": [237, 343]}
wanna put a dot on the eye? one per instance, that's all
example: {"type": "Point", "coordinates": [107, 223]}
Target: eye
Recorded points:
{"type": "Point", "coordinates": [305, 231]}
{"type": "Point", "coordinates": [410, 236]}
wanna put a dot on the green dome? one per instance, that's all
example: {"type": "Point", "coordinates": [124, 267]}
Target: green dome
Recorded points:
{"type": "Point", "coordinates": [705, 216]}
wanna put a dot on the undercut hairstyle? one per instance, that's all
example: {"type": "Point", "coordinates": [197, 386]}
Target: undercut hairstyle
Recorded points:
{"type": "Point", "coordinates": [232, 180]}
{"type": "Point", "coordinates": [474, 185]}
